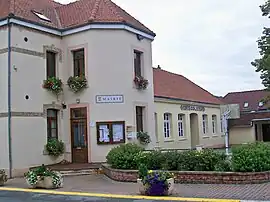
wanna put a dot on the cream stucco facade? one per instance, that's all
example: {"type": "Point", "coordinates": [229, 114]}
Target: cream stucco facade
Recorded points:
{"type": "Point", "coordinates": [242, 135]}
{"type": "Point", "coordinates": [109, 71]}
{"type": "Point", "coordinates": [192, 125]}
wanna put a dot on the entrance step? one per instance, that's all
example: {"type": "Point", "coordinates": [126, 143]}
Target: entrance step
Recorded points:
{"type": "Point", "coordinates": [72, 169]}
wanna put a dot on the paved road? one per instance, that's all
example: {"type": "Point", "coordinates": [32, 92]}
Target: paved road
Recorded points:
{"type": "Point", "coordinates": [12, 196]}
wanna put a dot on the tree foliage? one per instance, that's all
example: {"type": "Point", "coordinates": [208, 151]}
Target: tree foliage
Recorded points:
{"type": "Point", "coordinates": [262, 65]}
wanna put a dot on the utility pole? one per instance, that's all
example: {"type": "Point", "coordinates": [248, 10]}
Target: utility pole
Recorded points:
{"type": "Point", "coordinates": [225, 118]}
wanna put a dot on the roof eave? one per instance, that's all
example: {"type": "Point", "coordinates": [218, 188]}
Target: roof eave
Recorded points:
{"type": "Point", "coordinates": [60, 32]}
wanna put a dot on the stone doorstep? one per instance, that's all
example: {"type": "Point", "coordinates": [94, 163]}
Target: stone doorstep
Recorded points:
{"type": "Point", "coordinates": [80, 172]}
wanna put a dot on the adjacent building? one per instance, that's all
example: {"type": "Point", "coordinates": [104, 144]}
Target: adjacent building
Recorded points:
{"type": "Point", "coordinates": [187, 116]}
{"type": "Point", "coordinates": [90, 39]}
{"type": "Point", "coordinates": [254, 122]}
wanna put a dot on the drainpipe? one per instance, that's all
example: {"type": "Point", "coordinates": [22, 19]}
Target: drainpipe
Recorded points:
{"type": "Point", "coordinates": [9, 97]}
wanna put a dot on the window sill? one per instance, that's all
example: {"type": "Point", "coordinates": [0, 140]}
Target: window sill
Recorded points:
{"type": "Point", "coordinates": [215, 136]}
{"type": "Point", "coordinates": [169, 140]}
{"type": "Point", "coordinates": [205, 137]}
{"type": "Point", "coordinates": [182, 139]}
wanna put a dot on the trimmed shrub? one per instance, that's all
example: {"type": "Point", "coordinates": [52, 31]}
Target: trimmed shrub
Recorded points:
{"type": "Point", "coordinates": [253, 157]}
{"type": "Point", "coordinates": [124, 156]}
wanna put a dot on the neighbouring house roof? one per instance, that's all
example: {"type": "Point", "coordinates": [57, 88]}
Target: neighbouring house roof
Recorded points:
{"type": "Point", "coordinates": [175, 86]}
{"type": "Point", "coordinates": [253, 98]}
{"type": "Point", "coordinates": [247, 118]}
{"type": "Point", "coordinates": [71, 15]}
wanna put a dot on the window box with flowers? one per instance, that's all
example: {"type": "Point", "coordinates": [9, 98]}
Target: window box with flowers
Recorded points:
{"type": "Point", "coordinates": [53, 84]}
{"type": "Point", "coordinates": [77, 83]}
{"type": "Point", "coordinates": [155, 183]}
{"type": "Point", "coordinates": [141, 83]}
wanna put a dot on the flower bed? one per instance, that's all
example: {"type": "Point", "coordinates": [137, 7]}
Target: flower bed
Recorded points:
{"type": "Point", "coordinates": [42, 177]}
{"type": "Point", "coordinates": [194, 177]}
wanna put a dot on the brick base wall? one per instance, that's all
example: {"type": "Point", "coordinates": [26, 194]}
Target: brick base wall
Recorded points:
{"type": "Point", "coordinates": [194, 177]}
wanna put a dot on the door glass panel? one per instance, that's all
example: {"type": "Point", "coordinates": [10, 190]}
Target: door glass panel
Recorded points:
{"type": "Point", "coordinates": [79, 136]}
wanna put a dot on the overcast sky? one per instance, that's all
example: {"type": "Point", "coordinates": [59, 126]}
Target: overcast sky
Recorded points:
{"type": "Point", "coordinates": [211, 42]}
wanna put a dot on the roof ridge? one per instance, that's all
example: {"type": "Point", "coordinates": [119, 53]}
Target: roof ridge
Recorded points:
{"type": "Point", "coordinates": [246, 91]}
{"type": "Point", "coordinates": [190, 82]}
{"type": "Point", "coordinates": [111, 5]}
{"type": "Point", "coordinates": [95, 10]}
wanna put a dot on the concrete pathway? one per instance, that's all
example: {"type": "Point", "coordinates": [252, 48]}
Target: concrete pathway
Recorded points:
{"type": "Point", "coordinates": [103, 185]}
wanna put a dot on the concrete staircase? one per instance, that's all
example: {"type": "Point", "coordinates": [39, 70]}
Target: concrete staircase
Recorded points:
{"type": "Point", "coordinates": [71, 169]}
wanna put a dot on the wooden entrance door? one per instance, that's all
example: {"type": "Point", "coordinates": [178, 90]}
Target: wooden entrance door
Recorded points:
{"type": "Point", "coordinates": [79, 144]}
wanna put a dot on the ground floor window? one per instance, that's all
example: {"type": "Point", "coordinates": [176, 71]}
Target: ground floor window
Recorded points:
{"type": "Point", "coordinates": [110, 132]}
{"type": "Point", "coordinates": [52, 124]}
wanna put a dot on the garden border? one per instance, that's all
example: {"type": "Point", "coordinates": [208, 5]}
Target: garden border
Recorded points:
{"type": "Point", "coordinates": [194, 177]}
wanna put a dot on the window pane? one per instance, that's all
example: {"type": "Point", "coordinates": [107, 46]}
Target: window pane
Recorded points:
{"type": "Point", "coordinates": [53, 123]}
{"type": "Point", "coordinates": [118, 132]}
{"type": "Point", "coordinates": [78, 63]}
{"type": "Point", "coordinates": [139, 119]}
{"type": "Point", "coordinates": [137, 63]}
{"type": "Point", "coordinates": [51, 64]}
{"type": "Point", "coordinates": [54, 133]}
{"type": "Point", "coordinates": [51, 113]}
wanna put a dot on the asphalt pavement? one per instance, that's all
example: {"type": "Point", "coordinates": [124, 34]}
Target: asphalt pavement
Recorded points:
{"type": "Point", "coordinates": [13, 196]}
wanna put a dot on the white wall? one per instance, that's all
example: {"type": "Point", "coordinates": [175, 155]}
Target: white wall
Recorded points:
{"type": "Point", "coordinates": [110, 71]}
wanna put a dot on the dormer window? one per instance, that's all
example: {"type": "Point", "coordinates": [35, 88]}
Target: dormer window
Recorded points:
{"type": "Point", "coordinates": [41, 16]}
{"type": "Point", "coordinates": [260, 104]}
{"type": "Point", "coordinates": [246, 104]}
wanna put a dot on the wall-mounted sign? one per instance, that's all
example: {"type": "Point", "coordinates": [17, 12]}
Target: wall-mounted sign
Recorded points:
{"type": "Point", "coordinates": [109, 99]}
{"type": "Point", "coordinates": [192, 108]}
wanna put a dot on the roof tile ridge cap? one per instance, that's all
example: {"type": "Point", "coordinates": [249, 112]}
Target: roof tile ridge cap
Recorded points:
{"type": "Point", "coordinates": [58, 18]}
{"type": "Point", "coordinates": [180, 75]}
{"type": "Point", "coordinates": [111, 5]}
{"type": "Point", "coordinates": [12, 6]}
{"type": "Point", "coordinates": [95, 10]}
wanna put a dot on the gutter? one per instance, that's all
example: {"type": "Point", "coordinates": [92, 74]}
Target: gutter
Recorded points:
{"type": "Point", "coordinates": [9, 97]}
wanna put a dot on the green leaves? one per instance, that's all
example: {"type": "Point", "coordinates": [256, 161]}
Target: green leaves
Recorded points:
{"type": "Point", "coordinates": [77, 84]}
{"type": "Point", "coordinates": [143, 138]}
{"type": "Point", "coordinates": [252, 157]}
{"type": "Point", "coordinates": [55, 147]}
{"type": "Point", "coordinates": [53, 84]}
{"type": "Point", "coordinates": [262, 64]}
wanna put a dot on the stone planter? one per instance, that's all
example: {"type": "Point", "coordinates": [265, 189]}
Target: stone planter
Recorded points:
{"type": "Point", "coordinates": [46, 183]}
{"type": "Point", "coordinates": [3, 177]}
{"type": "Point", "coordinates": [142, 188]}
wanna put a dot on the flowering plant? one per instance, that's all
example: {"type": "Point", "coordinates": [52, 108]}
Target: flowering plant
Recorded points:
{"type": "Point", "coordinates": [53, 84]}
{"type": "Point", "coordinates": [3, 177]}
{"type": "Point", "coordinates": [77, 83]}
{"type": "Point", "coordinates": [141, 83]}
{"type": "Point", "coordinates": [156, 182]}
{"type": "Point", "coordinates": [35, 175]}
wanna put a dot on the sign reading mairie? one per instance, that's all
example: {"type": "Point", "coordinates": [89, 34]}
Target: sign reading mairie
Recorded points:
{"type": "Point", "coordinates": [109, 99]}
{"type": "Point", "coordinates": [192, 108]}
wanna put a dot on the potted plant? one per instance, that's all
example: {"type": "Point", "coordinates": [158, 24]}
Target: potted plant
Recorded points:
{"type": "Point", "coordinates": [155, 183]}
{"type": "Point", "coordinates": [55, 147]}
{"type": "Point", "coordinates": [143, 137]}
{"type": "Point", "coordinates": [141, 83]}
{"type": "Point", "coordinates": [53, 84]}
{"type": "Point", "coordinates": [43, 177]}
{"type": "Point", "coordinates": [77, 83]}
{"type": "Point", "coordinates": [3, 177]}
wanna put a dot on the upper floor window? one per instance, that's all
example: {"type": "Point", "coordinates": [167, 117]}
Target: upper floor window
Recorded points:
{"type": "Point", "coordinates": [180, 123]}
{"type": "Point", "coordinates": [205, 124]}
{"type": "Point", "coordinates": [214, 124]}
{"type": "Point", "coordinates": [51, 64]}
{"type": "Point", "coordinates": [167, 125]}
{"type": "Point", "coordinates": [78, 63]}
{"type": "Point", "coordinates": [137, 63]}
{"type": "Point", "coordinates": [139, 118]}
{"type": "Point", "coordinates": [52, 124]}
{"type": "Point", "coordinates": [221, 125]}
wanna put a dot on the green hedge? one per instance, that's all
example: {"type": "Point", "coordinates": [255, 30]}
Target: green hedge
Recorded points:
{"type": "Point", "coordinates": [253, 157]}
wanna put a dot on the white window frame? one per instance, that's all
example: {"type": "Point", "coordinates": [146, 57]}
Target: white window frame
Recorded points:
{"type": "Point", "coordinates": [214, 124]}
{"type": "Point", "coordinates": [245, 104]}
{"type": "Point", "coordinates": [181, 125]}
{"type": "Point", "coordinates": [221, 125]}
{"type": "Point", "coordinates": [205, 124]}
{"type": "Point", "coordinates": [167, 125]}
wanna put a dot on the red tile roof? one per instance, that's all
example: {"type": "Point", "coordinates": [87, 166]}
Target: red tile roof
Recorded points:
{"type": "Point", "coordinates": [246, 118]}
{"type": "Point", "coordinates": [170, 85]}
{"type": "Point", "coordinates": [75, 14]}
{"type": "Point", "coordinates": [252, 97]}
